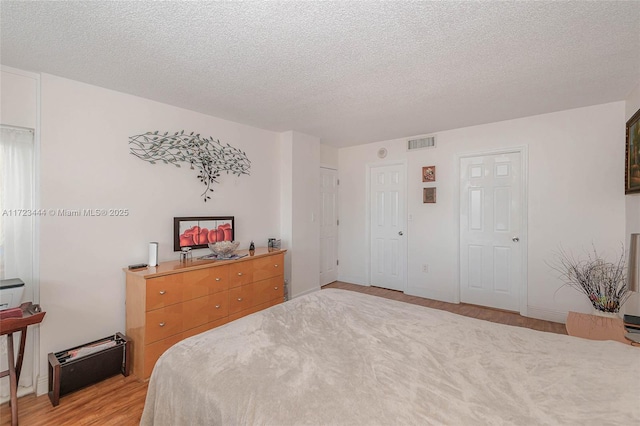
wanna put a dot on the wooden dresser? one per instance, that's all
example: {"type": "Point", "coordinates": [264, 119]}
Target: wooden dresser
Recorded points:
{"type": "Point", "coordinates": [176, 300]}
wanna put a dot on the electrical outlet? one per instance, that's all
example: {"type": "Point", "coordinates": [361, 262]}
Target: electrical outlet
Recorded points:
{"type": "Point", "coordinates": [425, 268]}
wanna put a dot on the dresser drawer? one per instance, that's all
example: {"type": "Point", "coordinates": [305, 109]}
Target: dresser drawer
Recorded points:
{"type": "Point", "coordinates": [195, 312]}
{"type": "Point", "coordinates": [268, 267]}
{"type": "Point", "coordinates": [269, 289]}
{"type": "Point", "coordinates": [162, 323]}
{"type": "Point", "coordinates": [240, 273]}
{"type": "Point", "coordinates": [218, 279]}
{"type": "Point", "coordinates": [204, 327]}
{"type": "Point", "coordinates": [218, 306]}
{"type": "Point", "coordinates": [240, 298]}
{"type": "Point", "coordinates": [164, 291]}
{"type": "Point", "coordinates": [196, 284]}
{"type": "Point", "coordinates": [153, 351]}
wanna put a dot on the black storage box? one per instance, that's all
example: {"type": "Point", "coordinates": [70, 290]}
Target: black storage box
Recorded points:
{"type": "Point", "coordinates": [70, 370]}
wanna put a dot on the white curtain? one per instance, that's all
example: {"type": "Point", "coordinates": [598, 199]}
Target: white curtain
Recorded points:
{"type": "Point", "coordinates": [17, 184]}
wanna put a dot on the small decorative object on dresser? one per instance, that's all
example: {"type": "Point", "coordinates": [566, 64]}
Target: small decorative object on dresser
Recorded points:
{"type": "Point", "coordinates": [224, 249]}
{"type": "Point", "coordinates": [153, 254]}
{"type": "Point", "coordinates": [185, 254]}
{"type": "Point", "coordinates": [177, 300]}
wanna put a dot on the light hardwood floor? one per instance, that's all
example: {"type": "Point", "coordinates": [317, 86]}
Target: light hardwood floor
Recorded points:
{"type": "Point", "coordinates": [474, 311]}
{"type": "Point", "coordinates": [120, 400]}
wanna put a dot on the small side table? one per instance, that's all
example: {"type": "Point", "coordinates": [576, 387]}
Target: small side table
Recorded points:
{"type": "Point", "coordinates": [596, 328]}
{"type": "Point", "coordinates": [9, 326]}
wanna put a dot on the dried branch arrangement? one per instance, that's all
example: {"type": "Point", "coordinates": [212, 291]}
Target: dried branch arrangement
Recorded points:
{"type": "Point", "coordinates": [601, 281]}
{"type": "Point", "coordinates": [207, 155]}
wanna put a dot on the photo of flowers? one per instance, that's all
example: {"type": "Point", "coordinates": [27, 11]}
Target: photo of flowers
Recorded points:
{"type": "Point", "coordinates": [198, 232]}
{"type": "Point", "coordinates": [429, 174]}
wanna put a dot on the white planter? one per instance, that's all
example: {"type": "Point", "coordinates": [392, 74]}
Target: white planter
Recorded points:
{"type": "Point", "coordinates": [606, 314]}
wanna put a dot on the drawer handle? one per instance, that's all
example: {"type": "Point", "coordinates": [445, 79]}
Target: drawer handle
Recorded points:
{"type": "Point", "coordinates": [275, 288]}
{"type": "Point", "coordinates": [275, 266]}
{"type": "Point", "coordinates": [218, 279]}
{"type": "Point", "coordinates": [217, 306]}
{"type": "Point", "coordinates": [161, 324]}
{"type": "Point", "coordinates": [162, 291]}
{"type": "Point", "coordinates": [239, 299]}
{"type": "Point", "coordinates": [239, 273]}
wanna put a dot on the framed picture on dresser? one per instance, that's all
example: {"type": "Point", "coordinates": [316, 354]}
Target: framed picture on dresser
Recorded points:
{"type": "Point", "coordinates": [198, 231]}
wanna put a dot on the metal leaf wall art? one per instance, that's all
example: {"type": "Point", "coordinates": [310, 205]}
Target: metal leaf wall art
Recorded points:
{"type": "Point", "coordinates": [208, 155]}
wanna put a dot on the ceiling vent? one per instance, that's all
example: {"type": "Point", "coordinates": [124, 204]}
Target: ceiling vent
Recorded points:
{"type": "Point", "coordinates": [421, 143]}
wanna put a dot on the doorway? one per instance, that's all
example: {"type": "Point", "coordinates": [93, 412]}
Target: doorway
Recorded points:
{"type": "Point", "coordinates": [328, 225]}
{"type": "Point", "coordinates": [493, 224]}
{"type": "Point", "coordinates": [387, 226]}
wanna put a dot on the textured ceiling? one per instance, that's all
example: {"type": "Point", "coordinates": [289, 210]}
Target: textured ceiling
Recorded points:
{"type": "Point", "coordinates": [347, 72]}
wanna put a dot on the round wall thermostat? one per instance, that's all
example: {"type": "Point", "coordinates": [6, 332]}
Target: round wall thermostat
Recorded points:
{"type": "Point", "coordinates": [382, 152]}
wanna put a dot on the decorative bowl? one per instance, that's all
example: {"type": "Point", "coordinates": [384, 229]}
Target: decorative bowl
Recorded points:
{"type": "Point", "coordinates": [224, 248]}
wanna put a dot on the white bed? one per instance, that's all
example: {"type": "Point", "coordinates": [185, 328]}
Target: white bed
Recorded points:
{"type": "Point", "coordinates": [340, 357]}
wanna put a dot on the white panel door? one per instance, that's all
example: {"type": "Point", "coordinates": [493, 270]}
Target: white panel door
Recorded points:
{"type": "Point", "coordinates": [491, 204]}
{"type": "Point", "coordinates": [328, 226]}
{"type": "Point", "coordinates": [388, 227]}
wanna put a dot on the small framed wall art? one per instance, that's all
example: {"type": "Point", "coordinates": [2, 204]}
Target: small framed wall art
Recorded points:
{"type": "Point", "coordinates": [429, 174]}
{"type": "Point", "coordinates": [632, 158]}
{"type": "Point", "coordinates": [429, 195]}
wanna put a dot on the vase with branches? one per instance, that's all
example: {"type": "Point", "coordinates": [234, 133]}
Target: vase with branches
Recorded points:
{"type": "Point", "coordinates": [602, 281]}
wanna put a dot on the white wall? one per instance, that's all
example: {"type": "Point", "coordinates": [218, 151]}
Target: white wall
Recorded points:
{"type": "Point", "coordinates": [632, 201]}
{"type": "Point", "coordinates": [18, 100]}
{"type": "Point", "coordinates": [329, 156]}
{"type": "Point", "coordinates": [300, 211]}
{"type": "Point", "coordinates": [575, 170]}
{"type": "Point", "coordinates": [86, 164]}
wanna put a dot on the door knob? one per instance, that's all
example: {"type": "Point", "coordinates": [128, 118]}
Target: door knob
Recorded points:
{"type": "Point", "coordinates": [515, 239]}
{"type": "Point", "coordinates": [400, 233]}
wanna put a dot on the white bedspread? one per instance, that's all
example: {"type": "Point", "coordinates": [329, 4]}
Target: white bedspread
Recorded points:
{"type": "Point", "coordinates": [340, 357]}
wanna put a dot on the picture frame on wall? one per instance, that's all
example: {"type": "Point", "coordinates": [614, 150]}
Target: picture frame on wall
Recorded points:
{"type": "Point", "coordinates": [429, 195]}
{"type": "Point", "coordinates": [429, 174]}
{"type": "Point", "coordinates": [198, 231]}
{"type": "Point", "coordinates": [632, 155]}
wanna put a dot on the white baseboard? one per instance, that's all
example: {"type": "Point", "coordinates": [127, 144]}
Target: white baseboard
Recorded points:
{"type": "Point", "coordinates": [22, 391]}
{"type": "Point", "coordinates": [353, 280]}
{"type": "Point", "coordinates": [443, 296]}
{"type": "Point", "coordinates": [546, 314]}
{"type": "Point", "coordinates": [42, 386]}
{"type": "Point", "coordinates": [311, 290]}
